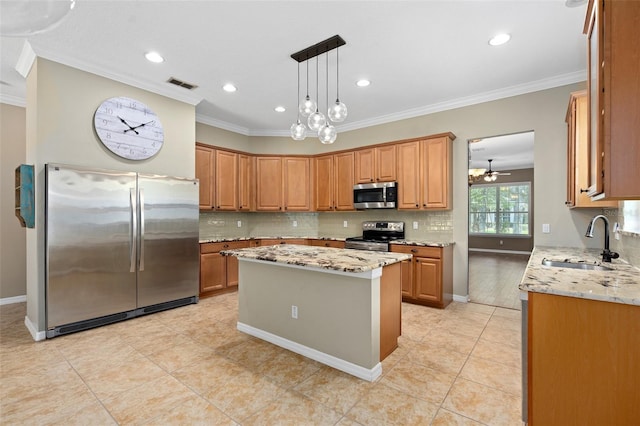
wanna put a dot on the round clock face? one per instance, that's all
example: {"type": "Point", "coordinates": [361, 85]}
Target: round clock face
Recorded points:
{"type": "Point", "coordinates": [128, 128]}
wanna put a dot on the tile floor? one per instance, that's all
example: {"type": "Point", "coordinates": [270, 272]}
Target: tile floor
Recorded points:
{"type": "Point", "coordinates": [457, 366]}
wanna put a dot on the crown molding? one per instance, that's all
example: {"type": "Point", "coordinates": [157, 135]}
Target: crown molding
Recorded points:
{"type": "Point", "coordinates": [204, 119]}
{"type": "Point", "coordinates": [176, 93]}
{"type": "Point", "coordinates": [26, 59]}
{"type": "Point", "coordinates": [13, 100]}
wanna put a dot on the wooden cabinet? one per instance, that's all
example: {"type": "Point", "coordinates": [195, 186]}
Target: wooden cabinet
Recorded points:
{"type": "Point", "coordinates": [578, 155]}
{"type": "Point", "coordinates": [427, 279]}
{"type": "Point", "coordinates": [613, 88]}
{"type": "Point", "coordinates": [297, 179]}
{"type": "Point", "coordinates": [269, 183]}
{"type": "Point", "coordinates": [245, 174]}
{"type": "Point", "coordinates": [226, 187]}
{"type": "Point", "coordinates": [375, 164]}
{"type": "Point", "coordinates": [276, 241]}
{"type": "Point", "coordinates": [204, 173]}
{"type": "Point", "coordinates": [333, 182]}
{"type": "Point", "coordinates": [218, 273]}
{"type": "Point", "coordinates": [327, 243]}
{"type": "Point", "coordinates": [425, 174]}
{"type": "Point", "coordinates": [582, 361]}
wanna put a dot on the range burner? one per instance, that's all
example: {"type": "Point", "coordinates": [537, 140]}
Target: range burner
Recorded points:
{"type": "Point", "coordinates": [376, 236]}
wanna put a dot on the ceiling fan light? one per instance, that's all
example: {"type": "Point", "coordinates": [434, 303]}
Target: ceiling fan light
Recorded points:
{"type": "Point", "coordinates": [337, 112]}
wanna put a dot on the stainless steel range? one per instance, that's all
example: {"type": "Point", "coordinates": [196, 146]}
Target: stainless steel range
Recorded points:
{"type": "Point", "coordinates": [376, 236]}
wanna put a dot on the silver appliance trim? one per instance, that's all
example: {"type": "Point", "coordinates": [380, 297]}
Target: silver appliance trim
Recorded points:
{"type": "Point", "coordinates": [388, 188]}
{"type": "Point", "coordinates": [366, 245]}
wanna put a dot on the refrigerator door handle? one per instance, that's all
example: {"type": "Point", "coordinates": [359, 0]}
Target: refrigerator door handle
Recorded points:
{"type": "Point", "coordinates": [134, 229]}
{"type": "Point", "coordinates": [141, 229]}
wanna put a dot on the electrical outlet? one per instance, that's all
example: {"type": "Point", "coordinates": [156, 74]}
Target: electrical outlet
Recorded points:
{"type": "Point", "coordinates": [345, 224]}
{"type": "Point", "coordinates": [415, 224]}
{"type": "Point", "coordinates": [546, 229]}
{"type": "Point", "coordinates": [501, 242]}
{"type": "Point", "coordinates": [295, 223]}
{"type": "Point", "coordinates": [239, 224]}
{"type": "Point", "coordinates": [294, 312]}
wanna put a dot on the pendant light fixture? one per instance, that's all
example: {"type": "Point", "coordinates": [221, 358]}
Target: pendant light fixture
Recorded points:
{"type": "Point", "coordinates": [298, 130]}
{"type": "Point", "coordinates": [338, 111]}
{"type": "Point", "coordinates": [327, 133]}
{"type": "Point", "coordinates": [316, 121]}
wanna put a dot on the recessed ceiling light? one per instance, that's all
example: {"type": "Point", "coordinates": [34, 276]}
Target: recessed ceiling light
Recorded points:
{"type": "Point", "coordinates": [229, 88]}
{"type": "Point", "coordinates": [499, 39]}
{"type": "Point", "coordinates": [154, 57]}
{"type": "Point", "coordinates": [280, 109]}
{"type": "Point", "coordinates": [363, 83]}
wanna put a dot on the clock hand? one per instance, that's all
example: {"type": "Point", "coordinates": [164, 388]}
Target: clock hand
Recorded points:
{"type": "Point", "coordinates": [127, 124]}
{"type": "Point", "coordinates": [142, 125]}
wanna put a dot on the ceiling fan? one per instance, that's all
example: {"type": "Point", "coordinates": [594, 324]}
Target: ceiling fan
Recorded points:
{"type": "Point", "coordinates": [488, 175]}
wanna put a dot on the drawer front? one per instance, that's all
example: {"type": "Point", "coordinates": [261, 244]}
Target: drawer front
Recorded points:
{"type": "Point", "coordinates": [418, 251]}
{"type": "Point", "coordinates": [216, 247]}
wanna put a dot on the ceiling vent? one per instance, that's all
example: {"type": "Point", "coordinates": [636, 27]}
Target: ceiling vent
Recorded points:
{"type": "Point", "coordinates": [181, 83]}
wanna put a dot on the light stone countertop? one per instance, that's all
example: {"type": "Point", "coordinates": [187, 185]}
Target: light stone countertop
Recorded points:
{"type": "Point", "coordinates": [419, 243]}
{"type": "Point", "coordinates": [346, 260]}
{"type": "Point", "coordinates": [622, 285]}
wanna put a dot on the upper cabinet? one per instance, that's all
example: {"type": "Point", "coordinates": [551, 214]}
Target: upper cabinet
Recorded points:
{"type": "Point", "coordinates": [613, 87]}
{"type": "Point", "coordinates": [269, 184]}
{"type": "Point", "coordinates": [297, 178]}
{"type": "Point", "coordinates": [578, 155]}
{"type": "Point", "coordinates": [424, 174]}
{"type": "Point", "coordinates": [204, 173]}
{"type": "Point", "coordinates": [283, 184]}
{"type": "Point", "coordinates": [376, 164]}
{"type": "Point", "coordinates": [245, 175]}
{"type": "Point", "coordinates": [226, 188]}
{"type": "Point", "coordinates": [334, 182]}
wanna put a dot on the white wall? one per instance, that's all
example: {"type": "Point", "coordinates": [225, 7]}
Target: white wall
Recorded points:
{"type": "Point", "coordinates": [61, 102]}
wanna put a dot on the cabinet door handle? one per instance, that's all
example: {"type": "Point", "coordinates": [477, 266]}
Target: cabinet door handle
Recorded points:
{"type": "Point", "coordinates": [424, 205]}
{"type": "Point", "coordinates": [414, 250]}
{"type": "Point", "coordinates": [417, 205]}
{"type": "Point", "coordinates": [226, 246]}
{"type": "Point", "coordinates": [583, 190]}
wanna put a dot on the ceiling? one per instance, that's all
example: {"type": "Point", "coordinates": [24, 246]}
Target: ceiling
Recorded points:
{"type": "Point", "coordinates": [421, 56]}
{"type": "Point", "coordinates": [508, 152]}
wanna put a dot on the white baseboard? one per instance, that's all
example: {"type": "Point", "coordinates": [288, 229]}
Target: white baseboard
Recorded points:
{"type": "Point", "coordinates": [500, 251]}
{"type": "Point", "coordinates": [462, 299]}
{"type": "Point", "coordinates": [11, 300]}
{"type": "Point", "coordinates": [326, 359]}
{"type": "Point", "coordinates": [37, 335]}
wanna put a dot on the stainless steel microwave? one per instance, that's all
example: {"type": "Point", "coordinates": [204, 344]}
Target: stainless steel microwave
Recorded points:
{"type": "Point", "coordinates": [379, 195]}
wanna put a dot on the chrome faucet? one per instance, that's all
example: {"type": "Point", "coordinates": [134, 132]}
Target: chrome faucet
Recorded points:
{"type": "Point", "coordinates": [607, 254]}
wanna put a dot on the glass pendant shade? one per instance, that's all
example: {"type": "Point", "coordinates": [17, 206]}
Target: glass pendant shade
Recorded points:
{"type": "Point", "coordinates": [316, 121]}
{"type": "Point", "coordinates": [298, 131]}
{"type": "Point", "coordinates": [327, 134]}
{"type": "Point", "coordinates": [337, 112]}
{"type": "Point", "coordinates": [307, 106]}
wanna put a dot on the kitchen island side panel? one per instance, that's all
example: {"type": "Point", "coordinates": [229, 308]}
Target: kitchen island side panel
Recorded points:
{"type": "Point", "coordinates": [337, 314]}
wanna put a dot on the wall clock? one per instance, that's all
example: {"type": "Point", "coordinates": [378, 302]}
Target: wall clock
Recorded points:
{"type": "Point", "coordinates": [128, 128]}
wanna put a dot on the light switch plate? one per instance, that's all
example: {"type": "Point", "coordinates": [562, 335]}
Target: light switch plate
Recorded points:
{"type": "Point", "coordinates": [295, 223]}
{"type": "Point", "coordinates": [415, 224]}
{"type": "Point", "coordinates": [239, 224]}
{"type": "Point", "coordinates": [546, 229]}
{"type": "Point", "coordinates": [345, 224]}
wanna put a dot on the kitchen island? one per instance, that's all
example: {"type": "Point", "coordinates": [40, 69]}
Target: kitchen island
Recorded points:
{"type": "Point", "coordinates": [581, 339]}
{"type": "Point", "coordinates": [339, 307]}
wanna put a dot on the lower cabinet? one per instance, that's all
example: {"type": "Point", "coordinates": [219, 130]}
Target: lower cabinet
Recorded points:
{"type": "Point", "coordinates": [327, 243]}
{"type": "Point", "coordinates": [427, 279]}
{"type": "Point", "coordinates": [275, 241]}
{"type": "Point", "coordinates": [218, 273]}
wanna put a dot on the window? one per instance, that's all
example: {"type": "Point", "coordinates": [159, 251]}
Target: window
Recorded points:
{"type": "Point", "coordinates": [499, 209]}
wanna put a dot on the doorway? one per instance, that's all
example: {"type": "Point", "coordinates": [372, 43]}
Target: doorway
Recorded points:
{"type": "Point", "coordinates": [500, 232]}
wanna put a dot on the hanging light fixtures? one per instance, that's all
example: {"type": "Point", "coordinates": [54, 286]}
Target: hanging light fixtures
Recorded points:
{"type": "Point", "coordinates": [316, 121]}
{"type": "Point", "coordinates": [298, 130]}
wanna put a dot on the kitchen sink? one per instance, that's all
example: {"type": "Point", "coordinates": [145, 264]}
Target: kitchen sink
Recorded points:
{"type": "Point", "coordinates": [580, 264]}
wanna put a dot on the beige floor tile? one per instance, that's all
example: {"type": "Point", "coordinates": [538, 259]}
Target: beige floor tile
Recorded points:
{"type": "Point", "coordinates": [183, 352]}
{"type": "Point", "coordinates": [384, 405]}
{"type": "Point", "coordinates": [195, 411]}
{"type": "Point", "coordinates": [29, 355]}
{"type": "Point", "coordinates": [420, 381]}
{"type": "Point", "coordinates": [292, 408]}
{"type": "Point", "coordinates": [512, 314]}
{"type": "Point", "coordinates": [448, 418]}
{"type": "Point", "coordinates": [94, 414]}
{"type": "Point", "coordinates": [143, 403]}
{"type": "Point", "coordinates": [447, 339]}
{"type": "Point", "coordinates": [502, 335]}
{"type": "Point", "coordinates": [501, 322]}
{"type": "Point", "coordinates": [208, 373]}
{"type": "Point", "coordinates": [490, 373]}
{"type": "Point", "coordinates": [288, 369]}
{"type": "Point", "coordinates": [251, 353]}
{"type": "Point", "coordinates": [483, 404]}
{"type": "Point", "coordinates": [498, 352]}
{"type": "Point", "coordinates": [335, 389]}
{"type": "Point", "coordinates": [346, 421]}
{"type": "Point", "coordinates": [435, 356]}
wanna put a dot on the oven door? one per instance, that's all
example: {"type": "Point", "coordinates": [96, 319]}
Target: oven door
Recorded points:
{"type": "Point", "coordinates": [379, 195]}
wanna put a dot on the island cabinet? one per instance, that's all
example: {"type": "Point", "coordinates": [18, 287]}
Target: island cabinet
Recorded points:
{"type": "Point", "coordinates": [327, 243]}
{"type": "Point", "coordinates": [425, 174]}
{"type": "Point", "coordinates": [578, 155]}
{"type": "Point", "coordinates": [218, 273]}
{"type": "Point", "coordinates": [205, 160]}
{"type": "Point", "coordinates": [582, 361]}
{"type": "Point", "coordinates": [375, 164]}
{"type": "Point", "coordinates": [333, 182]}
{"type": "Point", "coordinates": [283, 184]}
{"type": "Point", "coordinates": [427, 278]}
{"type": "Point", "coordinates": [613, 88]}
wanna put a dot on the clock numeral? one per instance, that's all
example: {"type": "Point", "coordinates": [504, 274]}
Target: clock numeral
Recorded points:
{"type": "Point", "coordinates": [104, 122]}
{"type": "Point", "coordinates": [118, 105]}
{"type": "Point", "coordinates": [108, 135]}
{"type": "Point", "coordinates": [132, 105]}
{"type": "Point", "coordinates": [131, 151]}
{"type": "Point", "coordinates": [109, 111]}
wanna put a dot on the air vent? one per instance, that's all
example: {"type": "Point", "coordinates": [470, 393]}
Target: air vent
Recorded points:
{"type": "Point", "coordinates": [181, 83]}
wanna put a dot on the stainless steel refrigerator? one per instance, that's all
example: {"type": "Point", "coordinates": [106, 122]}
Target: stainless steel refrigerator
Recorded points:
{"type": "Point", "coordinates": [118, 245]}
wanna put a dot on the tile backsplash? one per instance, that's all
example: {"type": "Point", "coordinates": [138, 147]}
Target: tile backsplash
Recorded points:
{"type": "Point", "coordinates": [431, 226]}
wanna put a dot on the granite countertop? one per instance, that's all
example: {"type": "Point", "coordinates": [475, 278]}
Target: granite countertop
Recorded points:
{"type": "Point", "coordinates": [346, 260]}
{"type": "Point", "coordinates": [421, 243]}
{"type": "Point", "coordinates": [622, 285]}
